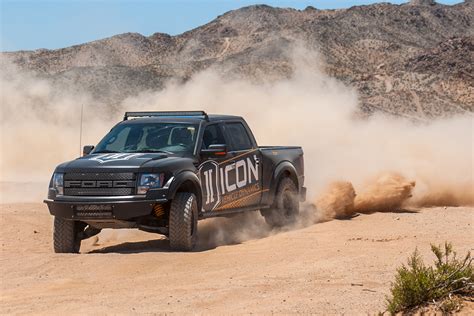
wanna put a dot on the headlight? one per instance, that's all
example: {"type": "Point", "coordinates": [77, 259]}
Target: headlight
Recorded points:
{"type": "Point", "coordinates": [150, 181]}
{"type": "Point", "coordinates": [58, 183]}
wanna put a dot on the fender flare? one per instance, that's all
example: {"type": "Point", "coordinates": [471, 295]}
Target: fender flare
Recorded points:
{"type": "Point", "coordinates": [189, 181]}
{"type": "Point", "coordinates": [284, 167]}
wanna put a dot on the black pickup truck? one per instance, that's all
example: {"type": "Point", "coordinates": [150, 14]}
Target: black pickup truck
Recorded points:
{"type": "Point", "coordinates": [162, 171]}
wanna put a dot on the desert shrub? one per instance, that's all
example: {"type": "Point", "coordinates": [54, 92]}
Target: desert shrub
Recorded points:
{"type": "Point", "coordinates": [417, 284]}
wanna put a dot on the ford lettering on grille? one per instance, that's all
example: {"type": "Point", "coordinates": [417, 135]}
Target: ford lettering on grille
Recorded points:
{"type": "Point", "coordinates": [99, 184]}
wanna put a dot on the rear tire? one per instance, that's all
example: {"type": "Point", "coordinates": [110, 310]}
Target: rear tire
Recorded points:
{"type": "Point", "coordinates": [65, 235]}
{"type": "Point", "coordinates": [183, 222]}
{"type": "Point", "coordinates": [286, 206]}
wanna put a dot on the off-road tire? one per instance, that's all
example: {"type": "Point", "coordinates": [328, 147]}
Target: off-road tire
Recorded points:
{"type": "Point", "coordinates": [286, 206]}
{"type": "Point", "coordinates": [183, 222]}
{"type": "Point", "coordinates": [65, 235]}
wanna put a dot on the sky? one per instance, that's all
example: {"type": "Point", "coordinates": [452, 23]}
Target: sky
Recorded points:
{"type": "Point", "coordinates": [34, 24]}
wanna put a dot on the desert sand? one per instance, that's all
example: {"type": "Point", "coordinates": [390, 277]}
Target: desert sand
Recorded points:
{"type": "Point", "coordinates": [336, 267]}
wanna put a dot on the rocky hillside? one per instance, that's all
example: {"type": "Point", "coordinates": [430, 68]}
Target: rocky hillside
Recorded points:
{"type": "Point", "coordinates": [414, 59]}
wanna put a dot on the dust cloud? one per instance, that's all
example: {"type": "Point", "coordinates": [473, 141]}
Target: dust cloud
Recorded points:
{"type": "Point", "coordinates": [336, 201]}
{"type": "Point", "coordinates": [215, 232]}
{"type": "Point", "coordinates": [353, 164]}
{"type": "Point", "coordinates": [387, 192]}
{"type": "Point", "coordinates": [40, 125]}
{"type": "Point", "coordinates": [382, 156]}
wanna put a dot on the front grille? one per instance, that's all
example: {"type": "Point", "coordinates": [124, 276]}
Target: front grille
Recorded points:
{"type": "Point", "coordinates": [94, 214]}
{"type": "Point", "coordinates": [99, 191]}
{"type": "Point", "coordinates": [99, 184]}
{"type": "Point", "coordinates": [93, 211]}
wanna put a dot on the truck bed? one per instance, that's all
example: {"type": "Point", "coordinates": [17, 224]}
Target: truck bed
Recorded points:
{"type": "Point", "coordinates": [278, 158]}
{"type": "Point", "coordinates": [279, 147]}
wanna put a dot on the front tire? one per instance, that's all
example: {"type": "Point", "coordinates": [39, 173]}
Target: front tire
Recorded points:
{"type": "Point", "coordinates": [286, 207]}
{"type": "Point", "coordinates": [183, 222]}
{"type": "Point", "coordinates": [65, 235]}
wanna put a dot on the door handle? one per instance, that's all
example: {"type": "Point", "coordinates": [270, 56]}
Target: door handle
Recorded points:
{"type": "Point", "coordinates": [257, 160]}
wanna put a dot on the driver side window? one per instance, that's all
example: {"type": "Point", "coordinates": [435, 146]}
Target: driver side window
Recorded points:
{"type": "Point", "coordinates": [212, 136]}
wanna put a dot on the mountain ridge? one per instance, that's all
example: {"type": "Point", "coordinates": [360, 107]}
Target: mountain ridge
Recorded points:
{"type": "Point", "coordinates": [413, 59]}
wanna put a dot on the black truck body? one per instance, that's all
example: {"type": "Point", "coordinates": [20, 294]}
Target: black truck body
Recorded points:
{"type": "Point", "coordinates": [162, 156]}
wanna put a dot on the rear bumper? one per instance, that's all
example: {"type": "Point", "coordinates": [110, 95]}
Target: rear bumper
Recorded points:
{"type": "Point", "coordinates": [98, 210]}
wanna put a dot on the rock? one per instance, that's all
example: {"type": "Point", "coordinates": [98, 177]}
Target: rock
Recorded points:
{"type": "Point", "coordinates": [422, 2]}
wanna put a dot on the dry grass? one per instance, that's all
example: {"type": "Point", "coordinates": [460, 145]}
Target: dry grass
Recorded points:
{"type": "Point", "coordinates": [442, 284]}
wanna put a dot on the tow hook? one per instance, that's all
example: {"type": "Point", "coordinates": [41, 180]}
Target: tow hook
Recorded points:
{"type": "Point", "coordinates": [88, 232]}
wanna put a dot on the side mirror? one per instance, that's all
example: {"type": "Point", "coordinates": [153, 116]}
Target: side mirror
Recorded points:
{"type": "Point", "coordinates": [87, 150]}
{"type": "Point", "coordinates": [215, 150]}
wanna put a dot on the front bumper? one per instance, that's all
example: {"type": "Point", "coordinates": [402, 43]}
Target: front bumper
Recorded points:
{"type": "Point", "coordinates": [98, 209]}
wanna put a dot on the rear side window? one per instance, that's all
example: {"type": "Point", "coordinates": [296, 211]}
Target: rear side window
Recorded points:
{"type": "Point", "coordinates": [239, 137]}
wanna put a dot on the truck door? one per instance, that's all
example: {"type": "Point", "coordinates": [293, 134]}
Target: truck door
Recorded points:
{"type": "Point", "coordinates": [241, 173]}
{"type": "Point", "coordinates": [209, 169]}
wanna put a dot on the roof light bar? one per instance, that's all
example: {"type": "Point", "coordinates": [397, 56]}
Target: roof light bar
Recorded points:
{"type": "Point", "coordinates": [165, 113]}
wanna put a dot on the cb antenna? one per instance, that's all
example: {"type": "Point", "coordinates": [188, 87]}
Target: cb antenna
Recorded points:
{"type": "Point", "coordinates": [80, 130]}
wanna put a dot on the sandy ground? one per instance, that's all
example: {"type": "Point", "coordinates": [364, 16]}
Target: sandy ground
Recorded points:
{"type": "Point", "coordinates": [337, 267]}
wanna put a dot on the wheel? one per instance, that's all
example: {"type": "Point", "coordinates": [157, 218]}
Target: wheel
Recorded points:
{"type": "Point", "coordinates": [65, 235]}
{"type": "Point", "coordinates": [183, 221]}
{"type": "Point", "coordinates": [286, 206]}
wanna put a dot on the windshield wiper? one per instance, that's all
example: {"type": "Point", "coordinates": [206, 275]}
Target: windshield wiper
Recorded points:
{"type": "Point", "coordinates": [105, 151]}
{"type": "Point", "coordinates": [154, 151]}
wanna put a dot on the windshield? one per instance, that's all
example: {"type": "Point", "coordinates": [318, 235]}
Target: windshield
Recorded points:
{"type": "Point", "coordinates": [171, 138]}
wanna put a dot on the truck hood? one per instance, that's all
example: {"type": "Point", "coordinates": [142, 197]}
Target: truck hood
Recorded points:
{"type": "Point", "coordinates": [147, 162]}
